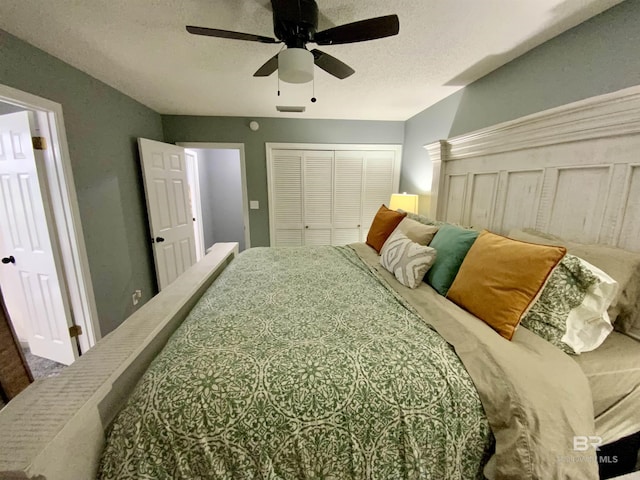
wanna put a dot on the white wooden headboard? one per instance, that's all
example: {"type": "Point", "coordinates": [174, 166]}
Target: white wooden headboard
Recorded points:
{"type": "Point", "coordinates": [572, 171]}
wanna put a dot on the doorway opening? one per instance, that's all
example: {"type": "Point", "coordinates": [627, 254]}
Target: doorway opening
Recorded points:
{"type": "Point", "coordinates": [217, 180]}
{"type": "Point", "coordinates": [48, 308]}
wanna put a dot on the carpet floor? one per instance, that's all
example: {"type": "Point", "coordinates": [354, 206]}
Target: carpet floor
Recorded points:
{"type": "Point", "coordinates": [42, 367]}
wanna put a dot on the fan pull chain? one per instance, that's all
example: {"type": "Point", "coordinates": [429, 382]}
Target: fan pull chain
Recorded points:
{"type": "Point", "coordinates": [278, 74]}
{"type": "Point", "coordinates": [313, 83]}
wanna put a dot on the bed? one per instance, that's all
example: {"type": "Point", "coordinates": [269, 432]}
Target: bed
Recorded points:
{"type": "Point", "coordinates": [307, 366]}
{"type": "Point", "coordinates": [314, 362]}
{"type": "Point", "coordinates": [389, 382]}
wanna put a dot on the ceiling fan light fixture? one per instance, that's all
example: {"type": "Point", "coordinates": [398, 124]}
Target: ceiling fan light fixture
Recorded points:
{"type": "Point", "coordinates": [295, 65]}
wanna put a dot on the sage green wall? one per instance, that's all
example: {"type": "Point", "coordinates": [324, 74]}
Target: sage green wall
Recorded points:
{"type": "Point", "coordinates": [598, 56]}
{"type": "Point", "coordinates": [102, 125]}
{"type": "Point", "coordinates": [236, 130]}
{"type": "Point", "coordinates": [8, 108]}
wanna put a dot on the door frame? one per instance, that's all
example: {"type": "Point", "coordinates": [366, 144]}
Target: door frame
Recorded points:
{"type": "Point", "coordinates": [193, 176]}
{"type": "Point", "coordinates": [71, 255]}
{"type": "Point", "coordinates": [243, 175]}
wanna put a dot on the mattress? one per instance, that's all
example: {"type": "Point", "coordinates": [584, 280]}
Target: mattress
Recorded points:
{"type": "Point", "coordinates": [613, 371]}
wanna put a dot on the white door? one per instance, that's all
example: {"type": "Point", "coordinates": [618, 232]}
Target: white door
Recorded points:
{"type": "Point", "coordinates": [317, 194]}
{"type": "Point", "coordinates": [347, 203]}
{"type": "Point", "coordinates": [170, 218]}
{"type": "Point", "coordinates": [286, 198]}
{"type": "Point", "coordinates": [32, 289]}
{"type": "Point", "coordinates": [378, 185]}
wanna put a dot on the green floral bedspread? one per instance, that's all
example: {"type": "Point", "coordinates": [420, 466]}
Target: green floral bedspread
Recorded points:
{"type": "Point", "coordinates": [300, 363]}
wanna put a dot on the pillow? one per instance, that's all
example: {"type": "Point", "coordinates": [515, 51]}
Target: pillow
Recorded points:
{"type": "Point", "coordinates": [384, 223]}
{"type": "Point", "coordinates": [623, 266]}
{"type": "Point", "coordinates": [407, 260]}
{"type": "Point", "coordinates": [452, 244]}
{"type": "Point", "coordinates": [500, 278]}
{"type": "Point", "coordinates": [416, 231]}
{"type": "Point", "coordinates": [424, 220]}
{"type": "Point", "coordinates": [571, 312]}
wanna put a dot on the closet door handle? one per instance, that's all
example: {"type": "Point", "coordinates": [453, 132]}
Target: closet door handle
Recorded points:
{"type": "Point", "coordinates": [159, 239]}
{"type": "Point", "coordinates": [9, 259]}
{"type": "Point", "coordinates": [306, 226]}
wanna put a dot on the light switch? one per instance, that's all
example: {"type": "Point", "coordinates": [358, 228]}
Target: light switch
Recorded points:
{"type": "Point", "coordinates": [254, 205]}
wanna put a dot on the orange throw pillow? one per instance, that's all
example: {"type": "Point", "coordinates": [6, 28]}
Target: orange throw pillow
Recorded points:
{"type": "Point", "coordinates": [500, 278]}
{"type": "Point", "coordinates": [384, 223]}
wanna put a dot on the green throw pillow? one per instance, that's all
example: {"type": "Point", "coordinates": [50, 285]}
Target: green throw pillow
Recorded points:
{"type": "Point", "coordinates": [452, 244]}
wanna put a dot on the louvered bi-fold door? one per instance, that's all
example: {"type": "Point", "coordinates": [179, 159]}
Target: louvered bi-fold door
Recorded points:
{"type": "Point", "coordinates": [377, 185]}
{"type": "Point", "coordinates": [318, 197]}
{"type": "Point", "coordinates": [286, 183]}
{"type": "Point", "coordinates": [326, 197]}
{"type": "Point", "coordinates": [347, 203]}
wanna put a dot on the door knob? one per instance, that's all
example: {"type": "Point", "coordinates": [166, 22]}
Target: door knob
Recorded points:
{"type": "Point", "coordinates": [159, 239]}
{"type": "Point", "coordinates": [9, 259]}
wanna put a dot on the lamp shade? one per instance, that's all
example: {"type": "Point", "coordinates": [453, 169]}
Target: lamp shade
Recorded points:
{"type": "Point", "coordinates": [295, 65]}
{"type": "Point", "coordinates": [404, 201]}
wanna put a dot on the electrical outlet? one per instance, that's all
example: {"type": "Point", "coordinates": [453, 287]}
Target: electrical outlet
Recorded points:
{"type": "Point", "coordinates": [137, 295]}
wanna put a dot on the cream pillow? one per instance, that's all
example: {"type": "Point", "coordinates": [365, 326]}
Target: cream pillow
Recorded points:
{"type": "Point", "coordinates": [416, 231]}
{"type": "Point", "coordinates": [407, 260]}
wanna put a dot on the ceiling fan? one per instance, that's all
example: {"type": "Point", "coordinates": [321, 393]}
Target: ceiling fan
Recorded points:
{"type": "Point", "coordinates": [295, 23]}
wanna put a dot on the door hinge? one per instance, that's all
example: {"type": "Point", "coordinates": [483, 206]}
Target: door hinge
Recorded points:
{"type": "Point", "coordinates": [39, 143]}
{"type": "Point", "coordinates": [75, 330]}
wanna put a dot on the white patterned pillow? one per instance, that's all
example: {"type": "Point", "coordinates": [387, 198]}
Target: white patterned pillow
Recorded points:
{"type": "Point", "coordinates": [571, 311]}
{"type": "Point", "coordinates": [407, 260]}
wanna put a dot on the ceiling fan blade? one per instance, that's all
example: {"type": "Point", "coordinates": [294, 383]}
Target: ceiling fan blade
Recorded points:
{"type": "Point", "coordinates": [361, 31]}
{"type": "Point", "coordinates": [214, 32]}
{"type": "Point", "coordinates": [331, 64]}
{"type": "Point", "coordinates": [268, 68]}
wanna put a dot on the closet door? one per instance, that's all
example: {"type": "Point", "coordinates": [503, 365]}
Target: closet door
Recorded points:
{"type": "Point", "coordinates": [286, 180]}
{"type": "Point", "coordinates": [317, 195]}
{"type": "Point", "coordinates": [327, 197]}
{"type": "Point", "coordinates": [378, 185]}
{"type": "Point", "coordinates": [347, 203]}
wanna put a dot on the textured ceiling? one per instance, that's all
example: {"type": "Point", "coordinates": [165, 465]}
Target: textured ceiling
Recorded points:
{"type": "Point", "coordinates": [142, 49]}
